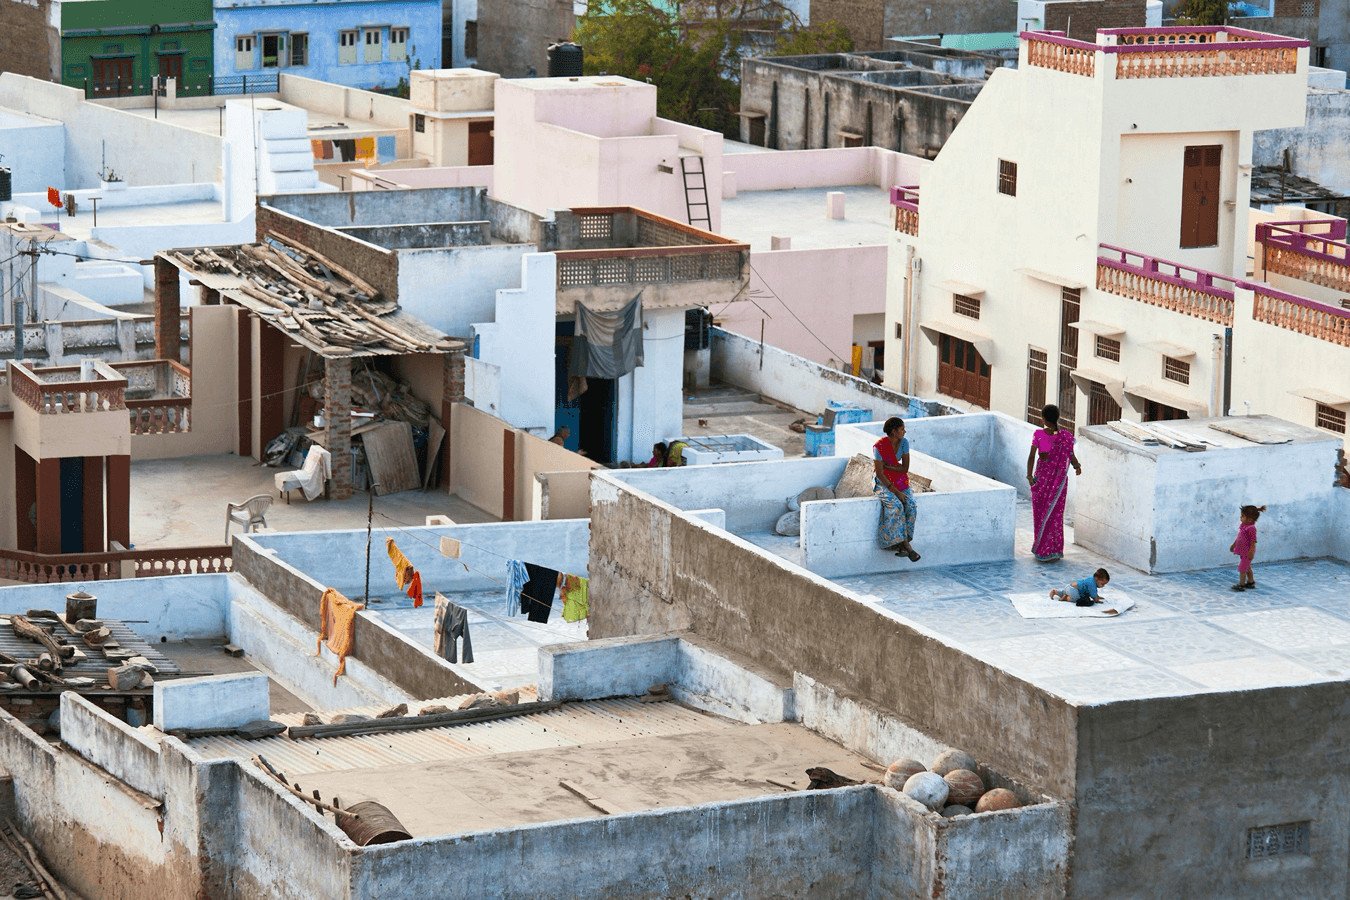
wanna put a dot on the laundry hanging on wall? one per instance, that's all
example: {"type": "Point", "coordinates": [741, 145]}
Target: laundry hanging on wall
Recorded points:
{"type": "Point", "coordinates": [337, 626]}
{"type": "Point", "coordinates": [604, 345]}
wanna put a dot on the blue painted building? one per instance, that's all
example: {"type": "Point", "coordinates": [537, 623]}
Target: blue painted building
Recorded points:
{"type": "Point", "coordinates": [358, 43]}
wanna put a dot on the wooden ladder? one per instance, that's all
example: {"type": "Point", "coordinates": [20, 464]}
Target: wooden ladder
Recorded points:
{"type": "Point", "coordinates": [696, 187]}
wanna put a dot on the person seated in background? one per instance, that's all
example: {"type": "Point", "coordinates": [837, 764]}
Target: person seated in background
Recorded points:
{"type": "Point", "coordinates": [560, 436]}
{"type": "Point", "coordinates": [675, 452]}
{"type": "Point", "coordinates": [658, 459]}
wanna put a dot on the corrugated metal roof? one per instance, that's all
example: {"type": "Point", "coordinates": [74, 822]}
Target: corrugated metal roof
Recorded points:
{"type": "Point", "coordinates": [570, 725]}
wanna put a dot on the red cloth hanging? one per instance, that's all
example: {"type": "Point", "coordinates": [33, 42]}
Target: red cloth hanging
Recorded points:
{"type": "Point", "coordinates": [415, 588]}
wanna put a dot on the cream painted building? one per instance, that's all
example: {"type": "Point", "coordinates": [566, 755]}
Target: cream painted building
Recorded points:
{"type": "Point", "coordinates": [1084, 236]}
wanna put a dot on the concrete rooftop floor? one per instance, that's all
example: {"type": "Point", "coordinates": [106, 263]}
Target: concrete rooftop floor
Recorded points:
{"type": "Point", "coordinates": [632, 755]}
{"type": "Point", "coordinates": [209, 121]}
{"type": "Point", "coordinates": [505, 646]}
{"type": "Point", "coordinates": [181, 502]}
{"type": "Point", "coordinates": [1187, 634]}
{"type": "Point", "coordinates": [185, 212]}
{"type": "Point", "coordinates": [753, 217]}
{"type": "Point", "coordinates": [732, 410]}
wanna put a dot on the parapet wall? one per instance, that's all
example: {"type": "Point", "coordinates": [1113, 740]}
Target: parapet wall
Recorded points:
{"type": "Point", "coordinates": [661, 570]}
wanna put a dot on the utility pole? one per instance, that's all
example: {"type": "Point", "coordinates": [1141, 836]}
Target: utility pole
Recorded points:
{"type": "Point", "coordinates": [32, 253]}
{"type": "Point", "coordinates": [370, 514]}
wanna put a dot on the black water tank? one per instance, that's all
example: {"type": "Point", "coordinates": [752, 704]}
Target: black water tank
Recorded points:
{"type": "Point", "coordinates": [6, 185]}
{"type": "Point", "coordinates": [564, 60]}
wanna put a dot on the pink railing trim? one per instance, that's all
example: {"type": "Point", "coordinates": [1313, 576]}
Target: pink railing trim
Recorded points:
{"type": "Point", "coordinates": [1293, 236]}
{"type": "Point", "coordinates": [1265, 42]}
{"type": "Point", "coordinates": [1148, 267]}
{"type": "Point", "coordinates": [906, 197]}
{"type": "Point", "coordinates": [1205, 278]}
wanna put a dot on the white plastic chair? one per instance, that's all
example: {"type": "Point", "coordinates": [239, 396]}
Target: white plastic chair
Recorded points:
{"type": "Point", "coordinates": [250, 514]}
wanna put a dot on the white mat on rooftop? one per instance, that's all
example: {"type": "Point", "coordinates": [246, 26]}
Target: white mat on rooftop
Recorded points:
{"type": "Point", "coordinates": [1040, 606]}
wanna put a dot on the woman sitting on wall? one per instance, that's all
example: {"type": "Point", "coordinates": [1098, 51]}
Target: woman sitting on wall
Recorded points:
{"type": "Point", "coordinates": [890, 457]}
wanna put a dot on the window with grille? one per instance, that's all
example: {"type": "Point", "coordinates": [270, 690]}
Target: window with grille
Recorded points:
{"type": "Point", "coordinates": [966, 306]}
{"type": "Point", "coordinates": [1330, 418]}
{"type": "Point", "coordinates": [398, 43]}
{"type": "Point", "coordinates": [1108, 348]}
{"type": "Point", "coordinates": [1007, 178]}
{"type": "Point", "coordinates": [346, 47]}
{"type": "Point", "coordinates": [1177, 370]}
{"type": "Point", "coordinates": [1289, 839]}
{"type": "Point", "coordinates": [299, 49]}
{"type": "Point", "coordinates": [1038, 367]}
{"type": "Point", "coordinates": [419, 122]}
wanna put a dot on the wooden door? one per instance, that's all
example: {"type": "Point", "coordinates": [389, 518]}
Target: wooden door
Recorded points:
{"type": "Point", "coordinates": [113, 76]}
{"type": "Point", "coordinates": [1070, 301]}
{"type": "Point", "coordinates": [1037, 377]}
{"type": "Point", "coordinates": [171, 66]}
{"type": "Point", "coordinates": [962, 372]}
{"type": "Point", "coordinates": [1102, 407]}
{"type": "Point", "coordinates": [480, 143]}
{"type": "Point", "coordinates": [1200, 196]}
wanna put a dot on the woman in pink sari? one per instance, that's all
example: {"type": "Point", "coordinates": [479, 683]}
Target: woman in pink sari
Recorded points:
{"type": "Point", "coordinates": [1048, 474]}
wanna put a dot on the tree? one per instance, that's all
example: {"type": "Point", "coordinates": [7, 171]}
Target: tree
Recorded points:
{"type": "Point", "coordinates": [819, 37]}
{"type": "Point", "coordinates": [691, 68]}
{"type": "Point", "coordinates": [1202, 12]}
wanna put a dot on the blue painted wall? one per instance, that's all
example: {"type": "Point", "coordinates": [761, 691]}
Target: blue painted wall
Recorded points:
{"type": "Point", "coordinates": [322, 21]}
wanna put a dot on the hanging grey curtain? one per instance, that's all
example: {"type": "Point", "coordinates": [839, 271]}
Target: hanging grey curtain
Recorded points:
{"type": "Point", "coordinates": [607, 344]}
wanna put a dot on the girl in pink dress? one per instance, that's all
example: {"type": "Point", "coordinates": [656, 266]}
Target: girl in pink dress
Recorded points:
{"type": "Point", "coordinates": [1244, 546]}
{"type": "Point", "coordinates": [1048, 474]}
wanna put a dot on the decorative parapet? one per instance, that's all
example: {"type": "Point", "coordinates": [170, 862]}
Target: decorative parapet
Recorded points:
{"type": "Point", "coordinates": [1315, 251]}
{"type": "Point", "coordinates": [629, 246]}
{"type": "Point", "coordinates": [1210, 296]}
{"type": "Point", "coordinates": [905, 199]}
{"type": "Point", "coordinates": [43, 568]}
{"type": "Point", "coordinates": [60, 390]}
{"type": "Point", "coordinates": [1300, 314]}
{"type": "Point", "coordinates": [1172, 286]}
{"type": "Point", "coordinates": [169, 383]}
{"type": "Point", "coordinates": [1189, 52]}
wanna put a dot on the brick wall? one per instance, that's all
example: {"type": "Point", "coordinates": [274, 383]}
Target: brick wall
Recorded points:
{"type": "Point", "coordinates": [1082, 18]}
{"type": "Point", "coordinates": [375, 265]}
{"type": "Point", "coordinates": [31, 46]}
{"type": "Point", "coordinates": [337, 414]}
{"type": "Point", "coordinates": [514, 35]}
{"type": "Point", "coordinates": [864, 19]}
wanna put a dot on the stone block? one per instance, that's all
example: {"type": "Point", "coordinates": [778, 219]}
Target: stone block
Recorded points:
{"type": "Point", "coordinates": [214, 701]}
{"type": "Point", "coordinates": [834, 204]}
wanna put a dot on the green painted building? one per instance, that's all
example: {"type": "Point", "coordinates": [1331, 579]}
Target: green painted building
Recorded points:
{"type": "Point", "coordinates": [112, 48]}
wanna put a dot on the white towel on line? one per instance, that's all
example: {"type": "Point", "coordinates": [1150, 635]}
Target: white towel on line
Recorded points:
{"type": "Point", "coordinates": [1040, 606]}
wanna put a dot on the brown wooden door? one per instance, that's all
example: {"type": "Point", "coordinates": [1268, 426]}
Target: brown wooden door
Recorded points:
{"type": "Point", "coordinates": [1102, 407]}
{"type": "Point", "coordinates": [1070, 302]}
{"type": "Point", "coordinates": [962, 372]}
{"type": "Point", "coordinates": [171, 66]}
{"type": "Point", "coordinates": [1200, 196]}
{"type": "Point", "coordinates": [1037, 376]}
{"type": "Point", "coordinates": [480, 143]}
{"type": "Point", "coordinates": [113, 76]}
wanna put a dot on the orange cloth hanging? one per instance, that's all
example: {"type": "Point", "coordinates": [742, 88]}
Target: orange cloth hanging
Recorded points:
{"type": "Point", "coordinates": [415, 588]}
{"type": "Point", "coordinates": [337, 626]}
{"type": "Point", "coordinates": [403, 570]}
